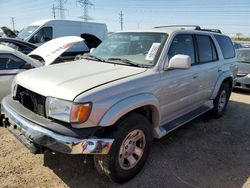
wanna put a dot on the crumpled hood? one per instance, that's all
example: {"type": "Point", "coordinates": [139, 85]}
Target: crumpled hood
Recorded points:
{"type": "Point", "coordinates": [68, 80]}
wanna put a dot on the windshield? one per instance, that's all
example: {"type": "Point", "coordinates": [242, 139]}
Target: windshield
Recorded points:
{"type": "Point", "coordinates": [132, 47]}
{"type": "Point", "coordinates": [243, 56]}
{"type": "Point", "coordinates": [25, 33]}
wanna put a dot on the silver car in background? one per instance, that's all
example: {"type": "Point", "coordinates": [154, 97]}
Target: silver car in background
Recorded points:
{"type": "Point", "coordinates": [12, 62]}
{"type": "Point", "coordinates": [243, 76]}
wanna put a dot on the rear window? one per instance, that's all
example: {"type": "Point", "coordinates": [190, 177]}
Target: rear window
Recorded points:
{"type": "Point", "coordinates": [226, 46]}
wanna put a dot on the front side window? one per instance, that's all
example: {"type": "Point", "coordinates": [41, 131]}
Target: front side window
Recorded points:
{"type": "Point", "coordinates": [182, 44]}
{"type": "Point", "coordinates": [206, 49]}
{"type": "Point", "coordinates": [43, 35]}
{"type": "Point", "coordinates": [9, 61]}
{"type": "Point", "coordinates": [140, 48]}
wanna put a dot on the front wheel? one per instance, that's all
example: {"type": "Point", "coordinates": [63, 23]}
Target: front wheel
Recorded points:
{"type": "Point", "coordinates": [221, 100]}
{"type": "Point", "coordinates": [129, 151]}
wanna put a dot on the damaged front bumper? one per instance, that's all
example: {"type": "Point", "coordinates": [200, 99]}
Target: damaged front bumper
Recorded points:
{"type": "Point", "coordinates": [36, 137]}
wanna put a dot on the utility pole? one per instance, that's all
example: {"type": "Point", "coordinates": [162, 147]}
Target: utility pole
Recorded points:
{"type": "Point", "coordinates": [85, 4]}
{"type": "Point", "coordinates": [13, 23]}
{"type": "Point", "coordinates": [54, 11]}
{"type": "Point", "coordinates": [60, 8]}
{"type": "Point", "coordinates": [121, 20]}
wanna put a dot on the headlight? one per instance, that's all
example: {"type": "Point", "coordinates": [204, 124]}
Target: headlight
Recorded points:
{"type": "Point", "coordinates": [248, 75]}
{"type": "Point", "coordinates": [67, 111]}
{"type": "Point", "coordinates": [58, 109]}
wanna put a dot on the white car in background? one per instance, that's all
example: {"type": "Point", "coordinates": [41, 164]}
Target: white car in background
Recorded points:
{"type": "Point", "coordinates": [13, 62]}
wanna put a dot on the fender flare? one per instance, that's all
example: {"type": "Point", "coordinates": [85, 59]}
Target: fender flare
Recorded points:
{"type": "Point", "coordinates": [129, 104]}
{"type": "Point", "coordinates": [220, 80]}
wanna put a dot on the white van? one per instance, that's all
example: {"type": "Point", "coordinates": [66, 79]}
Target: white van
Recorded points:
{"type": "Point", "coordinates": [44, 30]}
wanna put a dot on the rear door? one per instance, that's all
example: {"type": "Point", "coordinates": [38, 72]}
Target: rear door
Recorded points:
{"type": "Point", "coordinates": [10, 65]}
{"type": "Point", "coordinates": [207, 65]}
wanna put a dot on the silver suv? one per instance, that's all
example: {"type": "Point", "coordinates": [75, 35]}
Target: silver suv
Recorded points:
{"type": "Point", "coordinates": [136, 86]}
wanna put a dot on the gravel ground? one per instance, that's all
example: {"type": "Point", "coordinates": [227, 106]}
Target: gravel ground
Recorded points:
{"type": "Point", "coordinates": [204, 153]}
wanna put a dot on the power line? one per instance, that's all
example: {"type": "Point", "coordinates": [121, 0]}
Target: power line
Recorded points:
{"type": "Point", "coordinates": [85, 4]}
{"type": "Point", "coordinates": [13, 23]}
{"type": "Point", "coordinates": [60, 8]}
{"type": "Point", "coordinates": [121, 20]}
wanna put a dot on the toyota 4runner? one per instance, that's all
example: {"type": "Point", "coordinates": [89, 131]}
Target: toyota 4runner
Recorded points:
{"type": "Point", "coordinates": [136, 86]}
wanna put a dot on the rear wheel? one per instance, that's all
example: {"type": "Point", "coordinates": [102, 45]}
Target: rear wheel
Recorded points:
{"type": "Point", "coordinates": [129, 151]}
{"type": "Point", "coordinates": [221, 100]}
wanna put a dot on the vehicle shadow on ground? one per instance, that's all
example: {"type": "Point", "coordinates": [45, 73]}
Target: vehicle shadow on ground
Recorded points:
{"type": "Point", "coordinates": [206, 152]}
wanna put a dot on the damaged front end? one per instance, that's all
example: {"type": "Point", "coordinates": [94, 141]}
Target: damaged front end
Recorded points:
{"type": "Point", "coordinates": [31, 132]}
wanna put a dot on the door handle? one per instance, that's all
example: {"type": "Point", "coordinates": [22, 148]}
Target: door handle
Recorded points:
{"type": "Point", "coordinates": [219, 70]}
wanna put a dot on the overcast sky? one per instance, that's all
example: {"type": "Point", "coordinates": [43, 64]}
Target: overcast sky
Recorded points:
{"type": "Point", "coordinates": [231, 16]}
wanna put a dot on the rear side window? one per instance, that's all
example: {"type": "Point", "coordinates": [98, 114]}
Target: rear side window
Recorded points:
{"type": "Point", "coordinates": [8, 62]}
{"type": "Point", "coordinates": [182, 44]}
{"type": "Point", "coordinates": [226, 46]}
{"type": "Point", "coordinates": [206, 49]}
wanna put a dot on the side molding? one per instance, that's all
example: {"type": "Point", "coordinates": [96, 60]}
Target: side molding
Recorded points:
{"type": "Point", "coordinates": [129, 104]}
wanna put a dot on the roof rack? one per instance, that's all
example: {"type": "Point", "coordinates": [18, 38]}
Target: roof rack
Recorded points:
{"type": "Point", "coordinates": [196, 27]}
{"type": "Point", "coordinates": [211, 30]}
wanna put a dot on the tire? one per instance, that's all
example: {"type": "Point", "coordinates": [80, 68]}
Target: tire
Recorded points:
{"type": "Point", "coordinates": [221, 100]}
{"type": "Point", "coordinates": [116, 165]}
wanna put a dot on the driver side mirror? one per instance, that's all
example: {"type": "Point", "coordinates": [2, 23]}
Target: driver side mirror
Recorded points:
{"type": "Point", "coordinates": [178, 62]}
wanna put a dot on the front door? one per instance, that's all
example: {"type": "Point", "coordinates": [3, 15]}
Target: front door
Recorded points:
{"type": "Point", "coordinates": [180, 87]}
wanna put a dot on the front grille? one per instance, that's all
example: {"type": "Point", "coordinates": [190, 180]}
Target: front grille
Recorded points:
{"type": "Point", "coordinates": [31, 100]}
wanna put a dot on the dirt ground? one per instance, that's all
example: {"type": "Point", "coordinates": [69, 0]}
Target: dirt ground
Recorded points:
{"type": "Point", "coordinates": [204, 153]}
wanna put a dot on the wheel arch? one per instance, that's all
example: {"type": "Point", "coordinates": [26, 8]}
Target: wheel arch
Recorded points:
{"type": "Point", "coordinates": [145, 104]}
{"type": "Point", "coordinates": [225, 77]}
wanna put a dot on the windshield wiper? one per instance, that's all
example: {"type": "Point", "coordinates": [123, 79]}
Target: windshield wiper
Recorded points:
{"type": "Point", "coordinates": [91, 57]}
{"type": "Point", "coordinates": [126, 61]}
